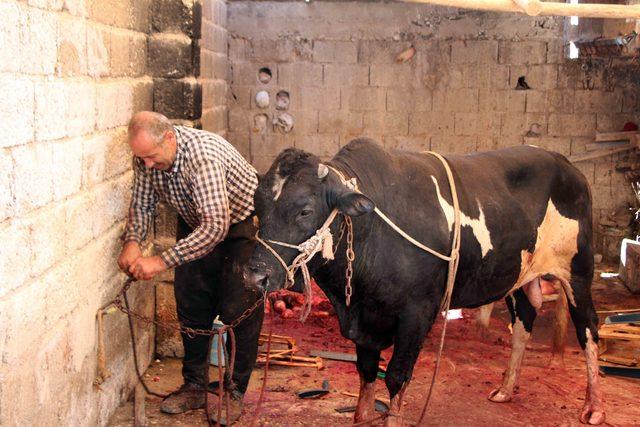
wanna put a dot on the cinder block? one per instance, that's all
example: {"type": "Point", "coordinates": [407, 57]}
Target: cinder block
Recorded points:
{"type": "Point", "coordinates": [215, 119]}
{"type": "Point", "coordinates": [588, 170]}
{"type": "Point", "coordinates": [630, 101]}
{"type": "Point", "coordinates": [39, 53]}
{"type": "Point", "coordinates": [572, 124]}
{"type": "Point", "coordinates": [323, 51]}
{"type": "Point", "coordinates": [431, 123]}
{"type": "Point", "coordinates": [114, 104]}
{"type": "Point", "coordinates": [485, 124]}
{"type": "Point", "coordinates": [67, 167]}
{"type": "Point", "coordinates": [597, 101]}
{"type": "Point", "coordinates": [240, 121]}
{"type": "Point", "coordinates": [474, 51]}
{"type": "Point", "coordinates": [11, 25]}
{"type": "Point", "coordinates": [560, 101]}
{"type": "Point", "coordinates": [487, 143]}
{"type": "Point", "coordinates": [98, 47]}
{"type": "Point", "coordinates": [346, 75]}
{"type": "Point", "coordinates": [137, 55]}
{"type": "Point", "coordinates": [603, 170]}
{"type": "Point", "coordinates": [570, 76]}
{"type": "Point", "coordinates": [520, 124]}
{"type": "Point", "coordinates": [17, 110]}
{"type": "Point", "coordinates": [578, 144]}
{"type": "Point", "coordinates": [386, 123]}
{"type": "Point", "coordinates": [299, 74]}
{"type": "Point", "coordinates": [119, 54]}
{"type": "Point", "coordinates": [80, 97]}
{"type": "Point", "coordinates": [363, 98]}
{"type": "Point", "coordinates": [27, 308]}
{"type": "Point", "coordinates": [15, 258]}
{"type": "Point", "coordinates": [602, 197]}
{"type": "Point", "coordinates": [513, 101]}
{"type": "Point", "coordinates": [116, 13]}
{"type": "Point", "coordinates": [76, 7]}
{"type": "Point", "coordinates": [47, 246]}
{"type": "Point", "coordinates": [51, 105]}
{"type": "Point", "coordinates": [170, 56]}
{"type": "Point", "coordinates": [556, 51]}
{"type": "Point", "coordinates": [454, 144]}
{"type": "Point", "coordinates": [614, 122]}
{"type": "Point", "coordinates": [141, 16]}
{"type": "Point", "coordinates": [50, 5]}
{"type": "Point", "coordinates": [175, 16]}
{"type": "Point", "coordinates": [305, 123]}
{"type": "Point", "coordinates": [318, 98]}
{"type": "Point", "coordinates": [346, 52]}
{"type": "Point", "coordinates": [270, 145]}
{"type": "Point", "coordinates": [390, 75]}
{"type": "Point", "coordinates": [456, 100]}
{"type": "Point", "coordinates": [339, 121]}
{"type": "Point", "coordinates": [72, 46]}
{"type": "Point", "coordinates": [405, 99]}
{"type": "Point", "coordinates": [94, 160]}
{"type": "Point", "coordinates": [240, 96]}
{"type": "Point", "coordinates": [214, 38]}
{"type": "Point", "coordinates": [520, 53]}
{"type": "Point", "coordinates": [493, 76]}
{"type": "Point", "coordinates": [262, 163]}
{"type": "Point", "coordinates": [178, 99]}
{"type": "Point", "coordinates": [536, 101]}
{"type": "Point", "coordinates": [320, 145]}
{"type": "Point", "coordinates": [33, 184]}
{"type": "Point", "coordinates": [538, 77]}
{"type": "Point", "coordinates": [239, 49]}
{"type": "Point", "coordinates": [118, 154]}
{"type": "Point", "coordinates": [376, 52]}
{"type": "Point", "coordinates": [6, 185]}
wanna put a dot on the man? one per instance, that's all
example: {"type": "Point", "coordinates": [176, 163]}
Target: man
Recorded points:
{"type": "Point", "coordinates": [211, 186]}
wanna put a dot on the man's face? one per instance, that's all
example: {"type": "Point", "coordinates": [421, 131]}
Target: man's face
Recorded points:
{"type": "Point", "coordinates": [157, 156]}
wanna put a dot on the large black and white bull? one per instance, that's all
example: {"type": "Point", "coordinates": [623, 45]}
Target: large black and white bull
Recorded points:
{"type": "Point", "coordinates": [525, 215]}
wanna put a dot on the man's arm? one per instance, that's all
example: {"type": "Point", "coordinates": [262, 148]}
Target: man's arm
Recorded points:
{"type": "Point", "coordinates": [141, 209]}
{"type": "Point", "coordinates": [212, 204]}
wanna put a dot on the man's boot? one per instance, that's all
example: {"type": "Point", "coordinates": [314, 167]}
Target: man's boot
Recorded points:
{"type": "Point", "coordinates": [235, 408]}
{"type": "Point", "coordinates": [189, 396]}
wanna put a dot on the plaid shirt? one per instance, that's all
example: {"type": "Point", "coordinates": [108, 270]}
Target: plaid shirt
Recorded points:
{"type": "Point", "coordinates": [210, 185]}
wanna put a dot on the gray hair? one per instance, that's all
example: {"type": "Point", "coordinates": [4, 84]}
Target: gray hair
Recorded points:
{"type": "Point", "coordinates": [154, 124]}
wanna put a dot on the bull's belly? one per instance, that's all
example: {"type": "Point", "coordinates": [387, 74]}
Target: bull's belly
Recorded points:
{"type": "Point", "coordinates": [551, 257]}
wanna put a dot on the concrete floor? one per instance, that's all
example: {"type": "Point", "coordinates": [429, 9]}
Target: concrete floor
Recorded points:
{"type": "Point", "coordinates": [470, 369]}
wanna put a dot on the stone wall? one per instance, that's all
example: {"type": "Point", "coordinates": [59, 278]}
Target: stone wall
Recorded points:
{"type": "Point", "coordinates": [337, 61]}
{"type": "Point", "coordinates": [72, 73]}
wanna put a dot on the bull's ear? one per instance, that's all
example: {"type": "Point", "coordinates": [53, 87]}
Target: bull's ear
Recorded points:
{"type": "Point", "coordinates": [354, 204]}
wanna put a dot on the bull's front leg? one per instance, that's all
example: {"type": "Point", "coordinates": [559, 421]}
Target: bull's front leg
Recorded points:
{"type": "Point", "coordinates": [522, 316]}
{"type": "Point", "coordinates": [367, 365]}
{"type": "Point", "coordinates": [411, 331]}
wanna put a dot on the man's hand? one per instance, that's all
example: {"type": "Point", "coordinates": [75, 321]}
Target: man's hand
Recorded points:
{"type": "Point", "coordinates": [145, 268]}
{"type": "Point", "coordinates": [130, 252]}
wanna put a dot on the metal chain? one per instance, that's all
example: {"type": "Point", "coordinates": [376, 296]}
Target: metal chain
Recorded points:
{"type": "Point", "coordinates": [351, 256]}
{"type": "Point", "coordinates": [190, 332]}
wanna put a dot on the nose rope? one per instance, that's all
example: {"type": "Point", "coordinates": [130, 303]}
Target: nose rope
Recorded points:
{"type": "Point", "coordinates": [321, 241]}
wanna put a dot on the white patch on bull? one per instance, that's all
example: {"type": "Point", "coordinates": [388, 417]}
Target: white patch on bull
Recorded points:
{"type": "Point", "coordinates": [556, 245]}
{"type": "Point", "coordinates": [519, 339]}
{"type": "Point", "coordinates": [478, 226]}
{"type": "Point", "coordinates": [278, 183]}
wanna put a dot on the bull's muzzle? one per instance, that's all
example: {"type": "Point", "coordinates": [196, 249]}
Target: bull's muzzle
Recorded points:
{"type": "Point", "coordinates": [256, 276]}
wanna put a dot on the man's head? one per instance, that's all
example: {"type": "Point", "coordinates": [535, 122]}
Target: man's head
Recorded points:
{"type": "Point", "coordinates": [152, 139]}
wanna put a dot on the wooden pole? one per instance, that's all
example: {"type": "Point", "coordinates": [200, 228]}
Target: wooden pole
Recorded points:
{"type": "Point", "coordinates": [536, 7]}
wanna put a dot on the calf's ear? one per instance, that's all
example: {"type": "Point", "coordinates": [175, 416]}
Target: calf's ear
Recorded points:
{"type": "Point", "coordinates": [354, 204]}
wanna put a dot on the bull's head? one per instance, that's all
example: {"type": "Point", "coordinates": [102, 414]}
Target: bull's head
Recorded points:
{"type": "Point", "coordinates": [293, 201]}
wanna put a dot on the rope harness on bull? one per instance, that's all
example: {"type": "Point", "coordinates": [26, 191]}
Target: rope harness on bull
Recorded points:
{"type": "Point", "coordinates": [322, 241]}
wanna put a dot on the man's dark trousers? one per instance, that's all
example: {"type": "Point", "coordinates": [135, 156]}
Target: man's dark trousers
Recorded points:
{"type": "Point", "coordinates": [213, 286]}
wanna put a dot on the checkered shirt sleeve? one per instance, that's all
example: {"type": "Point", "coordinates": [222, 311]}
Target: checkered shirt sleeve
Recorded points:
{"type": "Point", "coordinates": [212, 206]}
{"type": "Point", "coordinates": [143, 205]}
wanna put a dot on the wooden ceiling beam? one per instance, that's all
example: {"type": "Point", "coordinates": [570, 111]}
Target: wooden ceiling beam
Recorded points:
{"type": "Point", "coordinates": [540, 8]}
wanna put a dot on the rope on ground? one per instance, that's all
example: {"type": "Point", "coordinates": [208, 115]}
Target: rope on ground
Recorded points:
{"type": "Point", "coordinates": [264, 378]}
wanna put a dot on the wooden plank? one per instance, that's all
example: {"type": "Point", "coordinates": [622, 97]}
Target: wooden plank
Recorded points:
{"type": "Point", "coordinates": [615, 136]}
{"type": "Point", "coordinates": [597, 154]}
{"type": "Point", "coordinates": [536, 7]}
{"type": "Point", "coordinates": [618, 336]}
{"type": "Point", "coordinates": [595, 146]}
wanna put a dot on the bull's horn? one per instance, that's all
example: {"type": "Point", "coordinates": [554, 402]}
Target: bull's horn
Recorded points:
{"type": "Point", "coordinates": [323, 170]}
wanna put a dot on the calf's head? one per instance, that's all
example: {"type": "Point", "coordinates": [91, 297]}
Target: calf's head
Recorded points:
{"type": "Point", "coordinates": [293, 200]}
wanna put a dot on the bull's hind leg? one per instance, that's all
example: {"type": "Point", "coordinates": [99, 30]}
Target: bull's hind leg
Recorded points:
{"type": "Point", "coordinates": [367, 364]}
{"type": "Point", "coordinates": [585, 320]}
{"type": "Point", "coordinates": [522, 316]}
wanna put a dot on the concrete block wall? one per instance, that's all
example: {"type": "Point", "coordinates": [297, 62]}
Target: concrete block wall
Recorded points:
{"type": "Point", "coordinates": [72, 74]}
{"type": "Point", "coordinates": [457, 94]}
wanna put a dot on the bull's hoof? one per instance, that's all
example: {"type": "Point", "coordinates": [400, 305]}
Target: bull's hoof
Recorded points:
{"type": "Point", "coordinates": [592, 415]}
{"type": "Point", "coordinates": [500, 395]}
{"type": "Point", "coordinates": [393, 420]}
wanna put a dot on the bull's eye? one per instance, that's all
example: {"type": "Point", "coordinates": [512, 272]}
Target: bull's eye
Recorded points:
{"type": "Point", "coordinates": [305, 213]}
